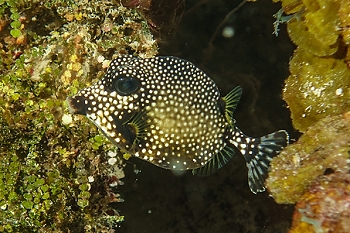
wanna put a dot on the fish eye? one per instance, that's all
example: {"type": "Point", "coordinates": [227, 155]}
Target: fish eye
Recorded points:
{"type": "Point", "coordinates": [124, 85]}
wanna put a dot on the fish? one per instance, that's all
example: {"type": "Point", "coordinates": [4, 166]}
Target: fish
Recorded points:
{"type": "Point", "coordinates": [167, 111]}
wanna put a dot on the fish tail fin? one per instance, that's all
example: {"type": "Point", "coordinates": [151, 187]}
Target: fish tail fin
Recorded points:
{"type": "Point", "coordinates": [258, 153]}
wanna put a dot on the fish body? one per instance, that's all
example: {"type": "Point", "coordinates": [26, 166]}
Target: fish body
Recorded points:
{"type": "Point", "coordinates": [168, 112]}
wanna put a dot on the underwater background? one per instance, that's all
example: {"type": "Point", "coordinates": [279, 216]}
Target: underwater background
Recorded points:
{"type": "Point", "coordinates": [254, 58]}
{"type": "Point", "coordinates": [59, 173]}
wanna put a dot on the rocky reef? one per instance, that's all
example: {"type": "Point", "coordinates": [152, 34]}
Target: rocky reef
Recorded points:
{"type": "Point", "coordinates": [314, 171]}
{"type": "Point", "coordinates": [323, 148]}
{"type": "Point", "coordinates": [58, 174]}
{"type": "Point", "coordinates": [325, 206]}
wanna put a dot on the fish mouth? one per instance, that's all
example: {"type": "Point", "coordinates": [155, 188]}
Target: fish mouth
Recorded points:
{"type": "Point", "coordinates": [76, 105]}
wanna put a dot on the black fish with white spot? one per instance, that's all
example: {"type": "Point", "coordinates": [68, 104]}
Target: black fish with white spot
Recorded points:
{"type": "Point", "coordinates": [170, 113]}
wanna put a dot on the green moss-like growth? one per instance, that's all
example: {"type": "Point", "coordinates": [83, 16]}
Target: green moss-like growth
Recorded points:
{"type": "Point", "coordinates": [325, 145]}
{"type": "Point", "coordinates": [54, 170]}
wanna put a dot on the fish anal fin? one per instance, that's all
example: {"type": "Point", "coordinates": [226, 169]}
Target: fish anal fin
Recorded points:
{"type": "Point", "coordinates": [218, 160]}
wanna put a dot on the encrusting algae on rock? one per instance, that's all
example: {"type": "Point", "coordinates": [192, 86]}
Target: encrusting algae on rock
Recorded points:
{"type": "Point", "coordinates": [314, 171]}
{"type": "Point", "coordinates": [325, 206]}
{"type": "Point", "coordinates": [324, 146]}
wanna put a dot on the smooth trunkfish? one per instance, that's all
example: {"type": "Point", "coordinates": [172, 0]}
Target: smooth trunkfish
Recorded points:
{"type": "Point", "coordinates": [170, 113]}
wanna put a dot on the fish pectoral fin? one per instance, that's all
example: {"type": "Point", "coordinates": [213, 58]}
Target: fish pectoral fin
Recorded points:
{"type": "Point", "coordinates": [138, 124]}
{"type": "Point", "coordinates": [218, 160]}
{"type": "Point", "coordinates": [230, 102]}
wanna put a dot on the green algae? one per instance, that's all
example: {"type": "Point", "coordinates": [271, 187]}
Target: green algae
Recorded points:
{"type": "Point", "coordinates": [53, 169]}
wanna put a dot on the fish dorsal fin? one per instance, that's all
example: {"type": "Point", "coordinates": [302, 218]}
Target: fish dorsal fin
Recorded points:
{"type": "Point", "coordinates": [218, 160]}
{"type": "Point", "coordinates": [230, 102]}
{"type": "Point", "coordinates": [138, 124]}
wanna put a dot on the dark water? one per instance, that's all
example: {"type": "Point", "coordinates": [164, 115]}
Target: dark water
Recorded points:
{"type": "Point", "coordinates": [156, 200]}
